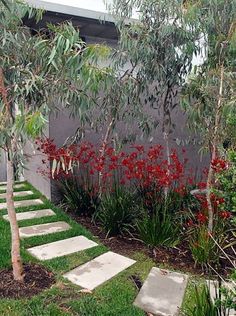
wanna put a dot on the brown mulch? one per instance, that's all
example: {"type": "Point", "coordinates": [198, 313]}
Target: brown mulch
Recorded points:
{"type": "Point", "coordinates": [179, 258]}
{"type": "Point", "coordinates": [37, 278]}
{"type": "Point", "coordinates": [122, 245]}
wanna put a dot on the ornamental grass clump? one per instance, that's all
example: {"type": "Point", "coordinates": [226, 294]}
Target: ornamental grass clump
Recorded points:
{"type": "Point", "coordinates": [139, 188]}
{"type": "Point", "coordinates": [117, 212]}
{"type": "Point", "coordinates": [204, 245]}
{"type": "Point", "coordinates": [78, 197]}
{"type": "Point", "coordinates": [158, 229]}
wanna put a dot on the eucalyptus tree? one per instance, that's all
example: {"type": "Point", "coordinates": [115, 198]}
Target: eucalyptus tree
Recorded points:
{"type": "Point", "coordinates": [161, 45]}
{"type": "Point", "coordinates": [210, 94]}
{"type": "Point", "coordinates": [36, 73]}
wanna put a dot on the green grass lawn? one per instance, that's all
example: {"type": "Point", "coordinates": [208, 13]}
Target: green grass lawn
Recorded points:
{"type": "Point", "coordinates": [113, 298]}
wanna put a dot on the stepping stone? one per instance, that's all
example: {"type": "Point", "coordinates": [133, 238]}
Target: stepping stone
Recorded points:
{"type": "Point", "coordinates": [43, 229]}
{"type": "Point", "coordinates": [214, 286]}
{"type": "Point", "coordinates": [62, 248]}
{"type": "Point", "coordinates": [23, 203]}
{"type": "Point", "coordinates": [31, 215]}
{"type": "Point", "coordinates": [17, 194]}
{"type": "Point", "coordinates": [16, 186]}
{"type": "Point", "coordinates": [99, 270]}
{"type": "Point", "coordinates": [162, 293]}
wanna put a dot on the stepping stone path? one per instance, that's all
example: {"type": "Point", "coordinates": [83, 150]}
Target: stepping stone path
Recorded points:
{"type": "Point", "coordinates": [97, 271]}
{"type": "Point", "coordinates": [61, 248]}
{"type": "Point", "coordinates": [162, 293]}
{"type": "Point", "coordinates": [17, 194]}
{"type": "Point", "coordinates": [16, 186]}
{"type": "Point", "coordinates": [32, 214]}
{"type": "Point", "coordinates": [23, 203]}
{"type": "Point", "coordinates": [43, 229]}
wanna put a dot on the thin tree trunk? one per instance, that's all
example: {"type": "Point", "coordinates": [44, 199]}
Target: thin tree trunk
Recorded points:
{"type": "Point", "coordinates": [10, 148]}
{"type": "Point", "coordinates": [167, 146]}
{"type": "Point", "coordinates": [210, 177]}
{"type": "Point", "coordinates": [102, 153]}
{"type": "Point", "coordinates": [15, 237]}
{"type": "Point", "coordinates": [166, 132]}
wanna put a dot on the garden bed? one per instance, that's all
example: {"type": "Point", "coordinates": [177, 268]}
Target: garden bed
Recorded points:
{"type": "Point", "coordinates": [177, 258]}
{"type": "Point", "coordinates": [37, 278]}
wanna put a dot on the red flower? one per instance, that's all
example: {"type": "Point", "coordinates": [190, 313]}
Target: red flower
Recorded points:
{"type": "Point", "coordinates": [202, 185]}
{"type": "Point", "coordinates": [219, 165]}
{"type": "Point", "coordinates": [202, 218]}
{"type": "Point", "coordinates": [225, 214]}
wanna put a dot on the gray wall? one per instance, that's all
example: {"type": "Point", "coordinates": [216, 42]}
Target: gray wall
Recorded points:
{"type": "Point", "coordinates": [61, 126]}
{"type": "Point", "coordinates": [3, 170]}
{"type": "Point", "coordinates": [34, 164]}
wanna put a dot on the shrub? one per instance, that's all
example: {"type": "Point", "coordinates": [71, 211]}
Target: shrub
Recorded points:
{"type": "Point", "coordinates": [203, 247]}
{"type": "Point", "coordinates": [117, 212]}
{"type": "Point", "coordinates": [77, 197]}
{"type": "Point", "coordinates": [226, 180]}
{"type": "Point", "coordinates": [158, 228]}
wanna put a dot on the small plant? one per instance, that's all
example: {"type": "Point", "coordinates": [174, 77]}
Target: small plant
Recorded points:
{"type": "Point", "coordinates": [117, 212]}
{"type": "Point", "coordinates": [205, 305]}
{"type": "Point", "coordinates": [202, 246]}
{"type": "Point", "coordinates": [202, 303]}
{"type": "Point", "coordinates": [78, 198]}
{"type": "Point", "coordinates": [158, 228]}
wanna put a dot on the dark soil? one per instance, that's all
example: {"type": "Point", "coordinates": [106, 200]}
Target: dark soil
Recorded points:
{"type": "Point", "coordinates": [122, 245]}
{"type": "Point", "coordinates": [136, 280]}
{"type": "Point", "coordinates": [179, 257]}
{"type": "Point", "coordinates": [37, 279]}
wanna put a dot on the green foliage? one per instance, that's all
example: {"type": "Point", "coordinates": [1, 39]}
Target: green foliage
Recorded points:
{"type": "Point", "coordinates": [32, 124]}
{"type": "Point", "coordinates": [202, 304]}
{"type": "Point", "coordinates": [202, 246]}
{"type": "Point", "coordinates": [179, 204]}
{"type": "Point", "coordinates": [77, 198]}
{"type": "Point", "coordinates": [117, 212]}
{"type": "Point", "coordinates": [158, 228]}
{"type": "Point", "coordinates": [215, 20]}
{"type": "Point", "coordinates": [161, 46]}
{"type": "Point", "coordinates": [227, 182]}
{"type": "Point", "coordinates": [207, 248]}
{"type": "Point", "coordinates": [40, 73]}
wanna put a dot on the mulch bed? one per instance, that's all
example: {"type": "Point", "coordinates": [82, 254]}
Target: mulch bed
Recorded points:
{"type": "Point", "coordinates": [37, 278]}
{"type": "Point", "coordinates": [119, 244]}
{"type": "Point", "coordinates": [179, 257]}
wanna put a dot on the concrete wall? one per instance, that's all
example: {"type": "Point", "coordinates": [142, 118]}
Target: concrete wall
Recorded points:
{"type": "Point", "coordinates": [61, 126]}
{"type": "Point", "coordinates": [3, 170]}
{"type": "Point", "coordinates": [32, 173]}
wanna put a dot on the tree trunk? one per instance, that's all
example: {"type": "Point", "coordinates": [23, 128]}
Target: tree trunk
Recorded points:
{"type": "Point", "coordinates": [210, 177]}
{"type": "Point", "coordinates": [15, 237]}
{"type": "Point", "coordinates": [208, 192]}
{"type": "Point", "coordinates": [102, 152]}
{"type": "Point", "coordinates": [166, 131]}
{"type": "Point", "coordinates": [10, 149]}
{"type": "Point", "coordinates": [167, 145]}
